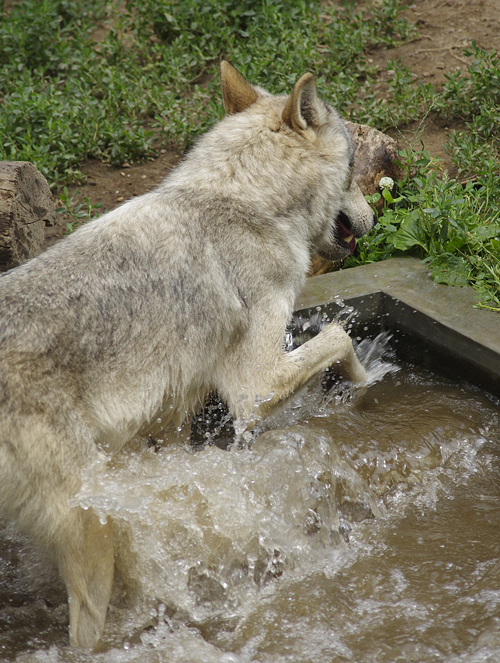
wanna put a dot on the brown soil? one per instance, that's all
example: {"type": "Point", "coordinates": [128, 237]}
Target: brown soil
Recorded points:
{"type": "Point", "coordinates": [445, 28]}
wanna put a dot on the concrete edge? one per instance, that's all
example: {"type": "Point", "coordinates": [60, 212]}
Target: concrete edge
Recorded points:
{"type": "Point", "coordinates": [409, 281]}
{"type": "Point", "coordinates": [399, 295]}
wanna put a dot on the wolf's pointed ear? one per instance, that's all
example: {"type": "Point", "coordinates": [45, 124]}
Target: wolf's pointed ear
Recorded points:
{"type": "Point", "coordinates": [302, 108]}
{"type": "Point", "coordinates": [237, 93]}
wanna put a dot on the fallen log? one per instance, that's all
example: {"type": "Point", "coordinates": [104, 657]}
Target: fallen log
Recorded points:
{"type": "Point", "coordinates": [26, 206]}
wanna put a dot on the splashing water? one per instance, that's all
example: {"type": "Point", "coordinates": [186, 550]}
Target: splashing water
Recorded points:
{"type": "Point", "coordinates": [350, 529]}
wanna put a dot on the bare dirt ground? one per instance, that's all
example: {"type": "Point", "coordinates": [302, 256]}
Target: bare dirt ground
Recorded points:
{"type": "Point", "coordinates": [445, 28]}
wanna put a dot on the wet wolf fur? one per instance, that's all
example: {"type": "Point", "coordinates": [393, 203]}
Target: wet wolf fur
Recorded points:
{"type": "Point", "coordinates": [181, 291]}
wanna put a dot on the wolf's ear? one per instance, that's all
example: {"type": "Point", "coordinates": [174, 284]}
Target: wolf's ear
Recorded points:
{"type": "Point", "coordinates": [302, 110]}
{"type": "Point", "coordinates": [237, 93]}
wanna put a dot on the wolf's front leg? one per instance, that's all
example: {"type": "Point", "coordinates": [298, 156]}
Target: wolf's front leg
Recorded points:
{"type": "Point", "coordinates": [333, 345]}
{"type": "Point", "coordinates": [263, 385]}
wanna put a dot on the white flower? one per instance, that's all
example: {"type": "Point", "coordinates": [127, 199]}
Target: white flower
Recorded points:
{"type": "Point", "coordinates": [386, 183]}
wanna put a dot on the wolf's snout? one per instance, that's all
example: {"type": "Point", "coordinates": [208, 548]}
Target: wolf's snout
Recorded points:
{"type": "Point", "coordinates": [371, 224]}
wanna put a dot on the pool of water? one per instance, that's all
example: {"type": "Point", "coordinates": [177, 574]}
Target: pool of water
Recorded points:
{"type": "Point", "coordinates": [358, 527]}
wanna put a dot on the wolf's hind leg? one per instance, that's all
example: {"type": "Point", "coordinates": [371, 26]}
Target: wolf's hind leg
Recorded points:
{"type": "Point", "coordinates": [86, 561]}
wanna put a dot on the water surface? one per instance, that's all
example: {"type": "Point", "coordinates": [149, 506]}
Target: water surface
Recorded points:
{"type": "Point", "coordinates": [361, 529]}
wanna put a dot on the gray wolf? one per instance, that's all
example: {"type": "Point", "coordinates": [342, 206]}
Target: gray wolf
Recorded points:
{"type": "Point", "coordinates": [182, 291]}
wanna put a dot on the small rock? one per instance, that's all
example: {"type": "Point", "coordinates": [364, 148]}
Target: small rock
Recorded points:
{"type": "Point", "coordinates": [375, 157]}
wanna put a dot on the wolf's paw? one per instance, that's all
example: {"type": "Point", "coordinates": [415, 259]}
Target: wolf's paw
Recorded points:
{"type": "Point", "coordinates": [87, 632]}
{"type": "Point", "coordinates": [344, 360]}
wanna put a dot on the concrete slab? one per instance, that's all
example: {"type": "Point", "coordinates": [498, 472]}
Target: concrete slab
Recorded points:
{"type": "Point", "coordinates": [433, 324]}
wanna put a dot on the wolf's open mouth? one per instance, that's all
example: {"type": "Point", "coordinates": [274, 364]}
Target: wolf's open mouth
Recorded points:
{"type": "Point", "coordinates": [345, 232]}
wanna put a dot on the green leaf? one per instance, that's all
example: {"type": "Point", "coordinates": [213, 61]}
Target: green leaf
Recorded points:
{"type": "Point", "coordinates": [455, 243]}
{"type": "Point", "coordinates": [387, 195]}
{"type": "Point", "coordinates": [410, 234]}
{"type": "Point", "coordinates": [486, 231]}
{"type": "Point", "coordinates": [452, 270]}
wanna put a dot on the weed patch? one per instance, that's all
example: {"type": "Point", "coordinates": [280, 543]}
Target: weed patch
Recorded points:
{"type": "Point", "coordinates": [146, 83]}
{"type": "Point", "coordinates": [453, 226]}
{"type": "Point", "coordinates": [66, 97]}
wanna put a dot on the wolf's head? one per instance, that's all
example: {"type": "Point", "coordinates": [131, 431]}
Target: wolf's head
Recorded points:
{"type": "Point", "coordinates": [324, 158]}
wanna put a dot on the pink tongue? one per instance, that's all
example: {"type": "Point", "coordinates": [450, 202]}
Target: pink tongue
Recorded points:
{"type": "Point", "coordinates": [345, 232]}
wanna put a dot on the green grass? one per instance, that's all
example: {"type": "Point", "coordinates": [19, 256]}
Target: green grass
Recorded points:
{"type": "Point", "coordinates": [150, 80]}
{"type": "Point", "coordinates": [78, 212]}
{"type": "Point", "coordinates": [66, 98]}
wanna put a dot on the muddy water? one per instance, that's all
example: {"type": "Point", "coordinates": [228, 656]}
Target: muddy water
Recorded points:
{"type": "Point", "coordinates": [361, 529]}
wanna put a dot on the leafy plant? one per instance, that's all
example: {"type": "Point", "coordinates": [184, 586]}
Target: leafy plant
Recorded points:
{"type": "Point", "coordinates": [146, 82]}
{"type": "Point", "coordinates": [476, 99]}
{"type": "Point", "coordinates": [78, 212]}
{"type": "Point", "coordinates": [453, 227]}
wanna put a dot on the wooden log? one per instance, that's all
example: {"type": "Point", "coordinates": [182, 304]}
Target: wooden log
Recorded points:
{"type": "Point", "coordinates": [376, 156]}
{"type": "Point", "coordinates": [26, 206]}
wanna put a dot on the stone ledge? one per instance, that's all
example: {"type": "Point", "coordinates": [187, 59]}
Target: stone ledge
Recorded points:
{"type": "Point", "coordinates": [442, 329]}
